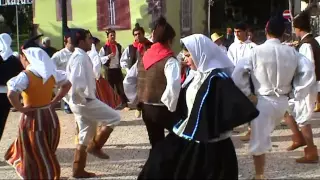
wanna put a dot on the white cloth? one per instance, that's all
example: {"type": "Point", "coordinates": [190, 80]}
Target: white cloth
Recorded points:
{"type": "Point", "coordinates": [21, 82]}
{"type": "Point", "coordinates": [5, 46]}
{"type": "Point", "coordinates": [318, 39]}
{"type": "Point", "coordinates": [205, 53]}
{"type": "Point", "coordinates": [114, 61]}
{"type": "Point", "coordinates": [81, 75]}
{"type": "Point", "coordinates": [272, 110]}
{"type": "Point", "coordinates": [90, 115]}
{"type": "Point", "coordinates": [96, 61]}
{"type": "Point", "coordinates": [125, 59]}
{"type": "Point", "coordinates": [40, 62]}
{"type": "Point", "coordinates": [61, 58]}
{"type": "Point", "coordinates": [238, 50]}
{"type": "Point", "coordinates": [223, 48]}
{"type": "Point", "coordinates": [170, 96]}
{"type": "Point", "coordinates": [273, 66]}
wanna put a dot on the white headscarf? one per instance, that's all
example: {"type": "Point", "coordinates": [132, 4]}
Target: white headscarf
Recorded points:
{"type": "Point", "coordinates": [5, 43]}
{"type": "Point", "coordinates": [205, 53]}
{"type": "Point", "coordinates": [40, 63]}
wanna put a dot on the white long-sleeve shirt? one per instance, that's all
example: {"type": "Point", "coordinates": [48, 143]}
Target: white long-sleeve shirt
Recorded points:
{"type": "Point", "coordinates": [274, 68]}
{"type": "Point", "coordinates": [171, 94]}
{"type": "Point", "coordinates": [82, 77]}
{"type": "Point", "coordinates": [125, 61]}
{"type": "Point", "coordinates": [61, 58]}
{"type": "Point", "coordinates": [114, 61]}
{"type": "Point", "coordinates": [239, 50]}
{"type": "Point", "coordinates": [306, 50]}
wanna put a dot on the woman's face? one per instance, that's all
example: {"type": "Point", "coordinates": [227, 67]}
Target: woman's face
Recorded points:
{"type": "Point", "coordinates": [188, 59]}
{"type": "Point", "coordinates": [24, 61]}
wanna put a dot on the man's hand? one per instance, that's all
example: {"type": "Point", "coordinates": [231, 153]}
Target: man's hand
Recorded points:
{"type": "Point", "coordinates": [253, 99]}
{"type": "Point", "coordinates": [111, 55]}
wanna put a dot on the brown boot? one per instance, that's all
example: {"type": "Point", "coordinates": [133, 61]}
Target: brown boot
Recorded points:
{"type": "Point", "coordinates": [297, 141]}
{"type": "Point", "coordinates": [95, 147]}
{"type": "Point", "coordinates": [310, 156]}
{"type": "Point", "coordinates": [80, 159]}
{"type": "Point", "coordinates": [246, 137]}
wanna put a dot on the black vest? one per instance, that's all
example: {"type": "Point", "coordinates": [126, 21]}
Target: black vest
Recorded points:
{"type": "Point", "coordinates": [8, 69]}
{"type": "Point", "coordinates": [108, 51]}
{"type": "Point", "coordinates": [133, 53]}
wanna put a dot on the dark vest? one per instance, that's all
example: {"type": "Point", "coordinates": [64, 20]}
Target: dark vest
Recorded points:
{"type": "Point", "coordinates": [9, 68]}
{"type": "Point", "coordinates": [108, 51]}
{"type": "Point", "coordinates": [316, 52]}
{"type": "Point", "coordinates": [151, 82]}
{"type": "Point", "coordinates": [133, 53]}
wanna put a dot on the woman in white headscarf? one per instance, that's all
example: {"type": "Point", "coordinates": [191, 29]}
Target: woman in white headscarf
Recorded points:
{"type": "Point", "coordinates": [209, 107]}
{"type": "Point", "coordinates": [32, 154]}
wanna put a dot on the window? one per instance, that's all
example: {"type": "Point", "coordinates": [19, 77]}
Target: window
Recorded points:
{"type": "Point", "coordinates": [156, 8]}
{"type": "Point", "coordinates": [59, 12]}
{"type": "Point", "coordinates": [113, 14]}
{"type": "Point", "coordinates": [186, 15]}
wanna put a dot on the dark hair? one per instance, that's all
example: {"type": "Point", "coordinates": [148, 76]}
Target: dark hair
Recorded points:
{"type": "Point", "coordinates": [137, 27]}
{"type": "Point", "coordinates": [30, 43]}
{"type": "Point", "coordinates": [79, 35]}
{"type": "Point", "coordinates": [165, 34]}
{"type": "Point", "coordinates": [109, 30]}
{"type": "Point", "coordinates": [183, 47]}
{"type": "Point", "coordinates": [242, 26]}
{"type": "Point", "coordinates": [276, 26]}
{"type": "Point", "coordinates": [95, 40]}
{"type": "Point", "coordinates": [302, 21]}
{"type": "Point", "coordinates": [250, 30]}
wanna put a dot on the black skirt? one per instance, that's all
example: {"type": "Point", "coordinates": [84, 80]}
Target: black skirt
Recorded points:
{"type": "Point", "coordinates": [178, 158]}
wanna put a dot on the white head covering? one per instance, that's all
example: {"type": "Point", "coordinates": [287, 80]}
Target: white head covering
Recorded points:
{"type": "Point", "coordinates": [45, 40]}
{"type": "Point", "coordinates": [205, 53]}
{"type": "Point", "coordinates": [40, 63]}
{"type": "Point", "coordinates": [5, 43]}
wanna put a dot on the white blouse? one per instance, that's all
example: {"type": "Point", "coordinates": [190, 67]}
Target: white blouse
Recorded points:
{"type": "Point", "coordinates": [21, 82]}
{"type": "Point", "coordinates": [114, 61]}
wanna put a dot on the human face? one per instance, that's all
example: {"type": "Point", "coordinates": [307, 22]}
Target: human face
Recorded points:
{"type": "Point", "coordinates": [218, 42]}
{"type": "Point", "coordinates": [112, 37]}
{"type": "Point", "coordinates": [241, 35]}
{"type": "Point", "coordinates": [189, 61]}
{"type": "Point", "coordinates": [24, 61]}
{"type": "Point", "coordinates": [250, 36]}
{"type": "Point", "coordinates": [298, 32]}
{"type": "Point", "coordinates": [86, 44]}
{"type": "Point", "coordinates": [69, 45]}
{"type": "Point", "coordinates": [138, 36]}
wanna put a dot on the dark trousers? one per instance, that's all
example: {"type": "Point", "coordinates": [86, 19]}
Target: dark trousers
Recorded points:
{"type": "Point", "coordinates": [4, 111]}
{"type": "Point", "coordinates": [157, 119]}
{"type": "Point", "coordinates": [115, 79]}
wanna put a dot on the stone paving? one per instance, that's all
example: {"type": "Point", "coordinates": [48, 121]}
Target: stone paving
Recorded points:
{"type": "Point", "coordinates": [128, 147]}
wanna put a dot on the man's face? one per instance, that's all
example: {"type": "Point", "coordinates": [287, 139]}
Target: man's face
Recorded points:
{"type": "Point", "coordinates": [218, 42]}
{"type": "Point", "coordinates": [86, 44]}
{"type": "Point", "coordinates": [47, 43]}
{"type": "Point", "coordinates": [138, 36]}
{"type": "Point", "coordinates": [241, 35]}
{"type": "Point", "coordinates": [112, 37]}
{"type": "Point", "coordinates": [69, 45]}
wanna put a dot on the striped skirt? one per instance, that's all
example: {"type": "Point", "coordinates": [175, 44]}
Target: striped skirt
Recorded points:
{"type": "Point", "coordinates": [106, 94]}
{"type": "Point", "coordinates": [32, 154]}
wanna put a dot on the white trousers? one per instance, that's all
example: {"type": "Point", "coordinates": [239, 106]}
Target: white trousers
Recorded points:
{"type": "Point", "coordinates": [90, 115]}
{"type": "Point", "coordinates": [272, 110]}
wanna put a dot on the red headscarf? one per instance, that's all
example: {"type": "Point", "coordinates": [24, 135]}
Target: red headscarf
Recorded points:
{"type": "Point", "coordinates": [156, 53]}
{"type": "Point", "coordinates": [112, 45]}
{"type": "Point", "coordinates": [140, 45]}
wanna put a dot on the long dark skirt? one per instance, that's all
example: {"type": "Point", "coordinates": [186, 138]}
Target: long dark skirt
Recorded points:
{"type": "Point", "coordinates": [178, 158]}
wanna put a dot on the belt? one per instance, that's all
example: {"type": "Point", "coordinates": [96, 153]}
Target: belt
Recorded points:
{"type": "Point", "coordinates": [3, 89]}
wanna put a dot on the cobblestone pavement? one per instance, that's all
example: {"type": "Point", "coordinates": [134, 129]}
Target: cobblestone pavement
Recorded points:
{"type": "Point", "coordinates": [128, 147]}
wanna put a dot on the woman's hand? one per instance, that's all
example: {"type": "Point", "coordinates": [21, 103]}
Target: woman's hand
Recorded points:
{"type": "Point", "coordinates": [26, 109]}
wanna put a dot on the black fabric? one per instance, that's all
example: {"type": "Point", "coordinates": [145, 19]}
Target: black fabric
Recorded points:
{"type": "Point", "coordinates": [157, 119]}
{"type": "Point", "coordinates": [115, 79]}
{"type": "Point", "coordinates": [9, 68]}
{"type": "Point", "coordinates": [108, 51]}
{"type": "Point", "coordinates": [4, 111]}
{"type": "Point", "coordinates": [31, 42]}
{"type": "Point", "coordinates": [224, 108]}
{"type": "Point", "coordinates": [49, 50]}
{"type": "Point", "coordinates": [177, 158]}
{"type": "Point", "coordinates": [133, 55]}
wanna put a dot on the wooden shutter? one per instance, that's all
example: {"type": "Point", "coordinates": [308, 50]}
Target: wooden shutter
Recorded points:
{"type": "Point", "coordinates": [59, 13]}
{"type": "Point", "coordinates": [102, 14]}
{"type": "Point", "coordinates": [123, 17]}
{"type": "Point", "coordinates": [34, 8]}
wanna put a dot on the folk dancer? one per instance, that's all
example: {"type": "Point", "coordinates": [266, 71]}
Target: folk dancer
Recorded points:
{"type": "Point", "coordinates": [209, 107]}
{"type": "Point", "coordinates": [273, 68]}
{"type": "Point", "coordinates": [218, 40]}
{"type": "Point", "coordinates": [88, 110]}
{"type": "Point", "coordinates": [301, 112]}
{"type": "Point", "coordinates": [155, 83]}
{"type": "Point", "coordinates": [10, 66]}
{"type": "Point", "coordinates": [32, 154]}
{"type": "Point", "coordinates": [110, 56]}
{"type": "Point", "coordinates": [241, 48]}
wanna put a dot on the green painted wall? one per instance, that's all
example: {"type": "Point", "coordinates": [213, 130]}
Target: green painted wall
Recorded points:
{"type": "Point", "coordinates": [84, 15]}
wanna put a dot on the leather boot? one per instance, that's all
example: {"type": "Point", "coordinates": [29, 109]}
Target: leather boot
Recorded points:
{"type": "Point", "coordinates": [310, 155]}
{"type": "Point", "coordinates": [80, 160]}
{"type": "Point", "coordinates": [95, 147]}
{"type": "Point", "coordinates": [297, 141]}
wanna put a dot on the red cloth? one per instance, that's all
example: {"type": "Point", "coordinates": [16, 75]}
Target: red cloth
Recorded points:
{"type": "Point", "coordinates": [140, 46]}
{"type": "Point", "coordinates": [106, 94]}
{"type": "Point", "coordinates": [113, 46]}
{"type": "Point", "coordinates": [156, 53]}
